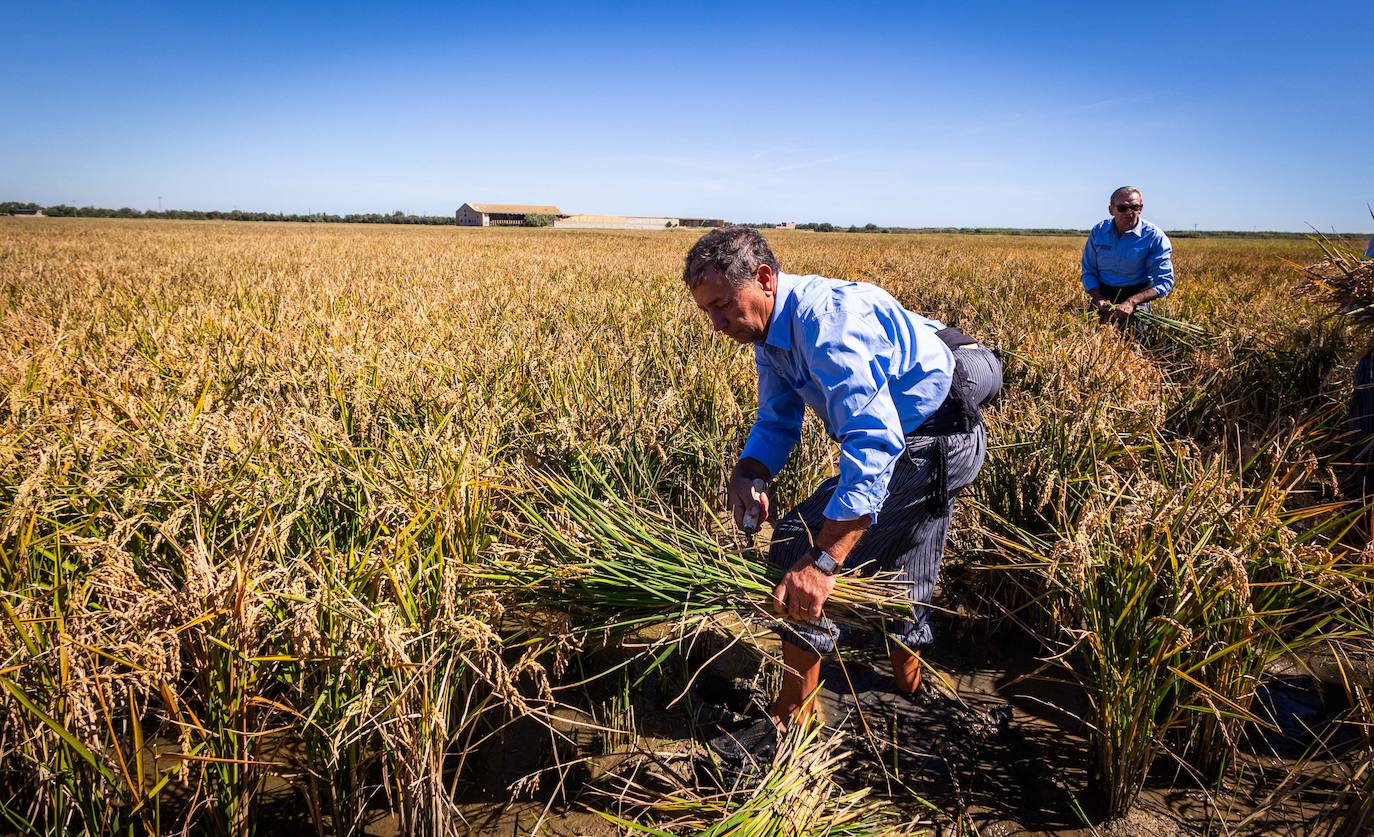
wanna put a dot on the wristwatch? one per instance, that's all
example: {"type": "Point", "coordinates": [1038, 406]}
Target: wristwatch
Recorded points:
{"type": "Point", "coordinates": [826, 563]}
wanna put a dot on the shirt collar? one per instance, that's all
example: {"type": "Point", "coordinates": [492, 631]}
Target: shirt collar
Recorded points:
{"type": "Point", "coordinates": [1137, 230]}
{"type": "Point", "coordinates": [779, 322]}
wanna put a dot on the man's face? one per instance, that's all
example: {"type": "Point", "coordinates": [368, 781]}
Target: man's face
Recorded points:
{"type": "Point", "coordinates": [1126, 210]}
{"type": "Point", "coordinates": [741, 313]}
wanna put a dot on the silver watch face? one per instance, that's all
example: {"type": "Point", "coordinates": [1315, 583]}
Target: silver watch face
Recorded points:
{"type": "Point", "coordinates": [827, 564]}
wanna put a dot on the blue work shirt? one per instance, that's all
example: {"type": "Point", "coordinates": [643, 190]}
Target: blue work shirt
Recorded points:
{"type": "Point", "coordinates": [1369, 251]}
{"type": "Point", "coordinates": [1142, 253]}
{"type": "Point", "coordinates": [872, 370]}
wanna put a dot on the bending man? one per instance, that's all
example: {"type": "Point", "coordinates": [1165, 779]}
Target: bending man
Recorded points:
{"type": "Point", "coordinates": [899, 392]}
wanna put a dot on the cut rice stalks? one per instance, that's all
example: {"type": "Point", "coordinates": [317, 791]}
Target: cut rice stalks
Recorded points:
{"type": "Point", "coordinates": [1180, 327]}
{"type": "Point", "coordinates": [797, 797]}
{"type": "Point", "coordinates": [614, 566]}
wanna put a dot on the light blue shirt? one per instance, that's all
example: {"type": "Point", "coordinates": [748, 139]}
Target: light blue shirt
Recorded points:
{"type": "Point", "coordinates": [1142, 253]}
{"type": "Point", "coordinates": [872, 370]}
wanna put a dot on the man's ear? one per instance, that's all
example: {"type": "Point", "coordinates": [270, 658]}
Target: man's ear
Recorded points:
{"type": "Point", "coordinates": [767, 279]}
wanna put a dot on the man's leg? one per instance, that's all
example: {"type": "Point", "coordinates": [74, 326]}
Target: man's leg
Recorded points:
{"type": "Point", "coordinates": [801, 675]}
{"type": "Point", "coordinates": [918, 550]}
{"type": "Point", "coordinates": [803, 643]}
{"type": "Point", "coordinates": [908, 537]}
{"type": "Point", "coordinates": [906, 669]}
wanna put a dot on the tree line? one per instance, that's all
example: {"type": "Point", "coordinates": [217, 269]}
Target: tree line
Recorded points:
{"type": "Point", "coordinates": [64, 211]}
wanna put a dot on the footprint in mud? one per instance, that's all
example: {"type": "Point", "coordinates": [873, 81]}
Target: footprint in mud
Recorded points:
{"type": "Point", "coordinates": [961, 751]}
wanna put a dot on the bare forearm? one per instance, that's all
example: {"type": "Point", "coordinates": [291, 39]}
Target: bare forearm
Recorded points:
{"type": "Point", "coordinates": [839, 537]}
{"type": "Point", "coordinates": [1144, 296]}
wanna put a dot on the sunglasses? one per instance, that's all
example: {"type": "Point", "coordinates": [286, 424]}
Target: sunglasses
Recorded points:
{"type": "Point", "coordinates": [1129, 207]}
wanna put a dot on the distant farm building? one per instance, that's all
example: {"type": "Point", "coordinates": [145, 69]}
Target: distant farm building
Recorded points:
{"type": "Point", "coordinates": [513, 215]}
{"type": "Point", "coordinates": [500, 214]}
{"type": "Point", "coordinates": [615, 222]}
{"type": "Point", "coordinates": [632, 222]}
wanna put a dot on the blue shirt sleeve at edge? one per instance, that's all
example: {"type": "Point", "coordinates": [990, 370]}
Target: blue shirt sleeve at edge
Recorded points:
{"type": "Point", "coordinates": [1161, 265]}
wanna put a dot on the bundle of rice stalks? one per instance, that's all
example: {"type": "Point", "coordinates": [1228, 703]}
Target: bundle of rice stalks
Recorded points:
{"type": "Point", "coordinates": [1344, 281]}
{"type": "Point", "coordinates": [1180, 327]}
{"type": "Point", "coordinates": [796, 797]}
{"type": "Point", "coordinates": [611, 565]}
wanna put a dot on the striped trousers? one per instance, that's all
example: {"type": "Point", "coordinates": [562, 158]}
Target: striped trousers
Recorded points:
{"type": "Point", "coordinates": [909, 534]}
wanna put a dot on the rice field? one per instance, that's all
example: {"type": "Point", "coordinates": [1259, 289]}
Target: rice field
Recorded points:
{"type": "Point", "coordinates": [351, 529]}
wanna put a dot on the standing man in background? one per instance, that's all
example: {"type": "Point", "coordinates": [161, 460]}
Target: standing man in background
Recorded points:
{"type": "Point", "coordinates": [1127, 261]}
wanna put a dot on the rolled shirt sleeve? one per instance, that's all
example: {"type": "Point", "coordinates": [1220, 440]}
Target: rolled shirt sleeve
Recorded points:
{"type": "Point", "coordinates": [1160, 265]}
{"type": "Point", "coordinates": [1092, 280]}
{"type": "Point", "coordinates": [849, 362]}
{"type": "Point", "coordinates": [778, 426]}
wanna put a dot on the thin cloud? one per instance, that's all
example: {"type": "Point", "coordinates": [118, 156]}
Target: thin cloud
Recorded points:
{"type": "Point", "coordinates": [1049, 115]}
{"type": "Point", "coordinates": [820, 161]}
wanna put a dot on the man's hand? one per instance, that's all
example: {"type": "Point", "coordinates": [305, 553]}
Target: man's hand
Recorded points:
{"type": "Point", "coordinates": [744, 500]}
{"type": "Point", "coordinates": [1122, 311]}
{"type": "Point", "coordinates": [803, 591]}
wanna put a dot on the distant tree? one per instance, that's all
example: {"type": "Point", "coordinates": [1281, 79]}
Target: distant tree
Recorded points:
{"type": "Point", "coordinates": [535, 219]}
{"type": "Point", "coordinates": [870, 227]}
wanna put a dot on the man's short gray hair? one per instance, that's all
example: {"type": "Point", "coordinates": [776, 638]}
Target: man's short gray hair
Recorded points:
{"type": "Point", "coordinates": [734, 251]}
{"type": "Point", "coordinates": [1123, 190]}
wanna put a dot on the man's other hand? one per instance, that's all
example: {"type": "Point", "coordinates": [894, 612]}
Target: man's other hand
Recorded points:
{"type": "Point", "coordinates": [744, 499]}
{"type": "Point", "coordinates": [803, 591]}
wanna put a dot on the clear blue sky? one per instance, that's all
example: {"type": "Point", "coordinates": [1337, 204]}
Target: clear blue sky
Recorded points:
{"type": "Point", "coordinates": [1227, 115]}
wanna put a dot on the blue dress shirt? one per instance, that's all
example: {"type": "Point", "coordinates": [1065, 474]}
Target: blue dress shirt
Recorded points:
{"type": "Point", "coordinates": [872, 370]}
{"type": "Point", "coordinates": [1369, 251]}
{"type": "Point", "coordinates": [1142, 253]}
